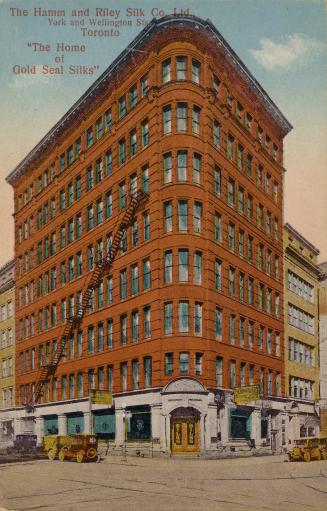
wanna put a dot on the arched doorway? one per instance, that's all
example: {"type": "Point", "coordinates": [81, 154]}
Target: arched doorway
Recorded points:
{"type": "Point", "coordinates": [185, 430]}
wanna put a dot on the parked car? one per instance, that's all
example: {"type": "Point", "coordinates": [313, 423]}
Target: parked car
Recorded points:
{"type": "Point", "coordinates": [80, 447]}
{"type": "Point", "coordinates": [307, 449]}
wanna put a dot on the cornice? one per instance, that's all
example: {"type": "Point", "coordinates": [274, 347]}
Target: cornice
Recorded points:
{"type": "Point", "coordinates": [109, 76]}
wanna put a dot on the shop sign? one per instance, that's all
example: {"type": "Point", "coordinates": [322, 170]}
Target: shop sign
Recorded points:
{"type": "Point", "coordinates": [246, 394]}
{"type": "Point", "coordinates": [101, 397]}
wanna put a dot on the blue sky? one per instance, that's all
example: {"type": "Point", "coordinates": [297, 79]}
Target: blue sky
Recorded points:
{"type": "Point", "coordinates": [283, 43]}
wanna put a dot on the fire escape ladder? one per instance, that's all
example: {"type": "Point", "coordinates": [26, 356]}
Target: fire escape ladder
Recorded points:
{"type": "Point", "coordinates": [136, 203]}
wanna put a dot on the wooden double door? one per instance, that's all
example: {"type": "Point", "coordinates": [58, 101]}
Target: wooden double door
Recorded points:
{"type": "Point", "coordinates": [185, 435]}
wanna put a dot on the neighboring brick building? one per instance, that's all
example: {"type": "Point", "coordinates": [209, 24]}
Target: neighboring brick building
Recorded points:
{"type": "Point", "coordinates": [193, 304]}
{"type": "Point", "coordinates": [301, 331]}
{"type": "Point", "coordinates": [7, 349]}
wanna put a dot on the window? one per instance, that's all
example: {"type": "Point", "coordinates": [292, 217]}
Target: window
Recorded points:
{"type": "Point", "coordinates": [168, 216]}
{"type": "Point", "coordinates": [135, 280]}
{"type": "Point", "coordinates": [90, 339]}
{"type": "Point", "coordinates": [218, 230]}
{"type": "Point", "coordinates": [181, 63]}
{"type": "Point", "coordinates": [146, 275]}
{"type": "Point", "coordinates": [89, 178]}
{"type": "Point", "coordinates": [168, 318]}
{"type": "Point", "coordinates": [135, 326]}
{"type": "Point", "coordinates": [62, 200]}
{"type": "Point", "coordinates": [108, 204]}
{"type": "Point", "coordinates": [241, 243]}
{"type": "Point", "coordinates": [90, 217]}
{"type": "Point", "coordinates": [250, 248]}
{"type": "Point", "coordinates": [182, 215]}
{"type": "Point", "coordinates": [218, 266]}
{"type": "Point", "coordinates": [240, 157]}
{"type": "Point", "coordinates": [219, 371]}
{"type": "Point", "coordinates": [197, 318]}
{"type": "Point", "coordinates": [183, 265]}
{"type": "Point", "coordinates": [250, 335]}
{"type": "Point", "coordinates": [231, 193]}
{"type": "Point", "coordinates": [147, 321]}
{"type": "Point", "coordinates": [123, 329]}
{"type": "Point", "coordinates": [230, 147]}
{"type": "Point", "coordinates": [123, 376]}
{"type": "Point", "coordinates": [184, 362]}
{"type": "Point", "coordinates": [146, 226]}
{"type": "Point", "coordinates": [197, 268]}
{"type": "Point", "coordinates": [232, 374]}
{"type": "Point", "coordinates": [183, 317]}
{"type": "Point", "coordinates": [196, 120]}
{"type": "Point", "coordinates": [78, 225]}
{"type": "Point", "coordinates": [147, 364]}
{"type": "Point", "coordinates": [135, 233]}
{"type": "Point", "coordinates": [166, 119]}
{"type": "Point", "coordinates": [110, 333]}
{"type": "Point", "coordinates": [240, 200]}
{"type": "Point", "coordinates": [123, 284]}
{"type": "Point", "coordinates": [144, 86]}
{"type": "Point", "coordinates": [197, 214]}
{"type": "Point", "coordinates": [198, 363]}
{"type": "Point", "coordinates": [108, 120]}
{"type": "Point", "coordinates": [168, 267]}
{"type": "Point", "coordinates": [241, 286]}
{"type": "Point", "coordinates": [260, 256]}
{"type": "Point", "coordinates": [90, 257]}
{"type": "Point", "coordinates": [70, 231]}
{"type": "Point", "coordinates": [133, 185]}
{"type": "Point", "coordinates": [169, 363]}
{"type": "Point", "coordinates": [133, 143]}
{"type": "Point", "coordinates": [261, 296]}
{"type": "Point", "coordinates": [232, 321]}
{"type": "Point", "coordinates": [217, 181]}
{"type": "Point", "coordinates": [99, 170]}
{"type": "Point", "coordinates": [261, 337]}
{"type": "Point", "coordinates": [122, 195]}
{"type": "Point", "coordinates": [196, 69]}
{"type": "Point", "coordinates": [145, 179]}
{"type": "Point", "coordinates": [181, 166]}
{"type": "Point", "coordinates": [122, 107]}
{"type": "Point", "coordinates": [196, 168]}
{"type": "Point", "coordinates": [231, 237]}
{"type": "Point", "coordinates": [145, 134]}
{"type": "Point", "coordinates": [135, 374]}
{"type": "Point", "coordinates": [231, 281]}
{"type": "Point", "coordinates": [133, 96]}
{"type": "Point", "coordinates": [181, 116]}
{"type": "Point", "coordinates": [166, 71]}
{"type": "Point", "coordinates": [80, 384]}
{"type": "Point", "coordinates": [89, 137]}
{"type": "Point", "coordinates": [121, 151]}
{"type": "Point", "coordinates": [241, 331]}
{"type": "Point", "coordinates": [109, 290]}
{"type": "Point", "coordinates": [216, 133]}
{"type": "Point", "coordinates": [108, 163]}
{"type": "Point", "coordinates": [167, 164]}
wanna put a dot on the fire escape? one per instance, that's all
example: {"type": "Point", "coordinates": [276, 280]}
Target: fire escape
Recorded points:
{"type": "Point", "coordinates": [136, 202]}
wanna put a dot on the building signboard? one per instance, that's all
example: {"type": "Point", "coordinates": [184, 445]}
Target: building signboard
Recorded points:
{"type": "Point", "coordinates": [246, 394]}
{"type": "Point", "coordinates": [101, 397]}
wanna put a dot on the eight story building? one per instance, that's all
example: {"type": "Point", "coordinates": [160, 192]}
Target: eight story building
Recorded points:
{"type": "Point", "coordinates": [193, 303]}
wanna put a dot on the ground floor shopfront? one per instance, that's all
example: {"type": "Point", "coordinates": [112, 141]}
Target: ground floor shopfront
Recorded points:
{"type": "Point", "coordinates": [184, 417]}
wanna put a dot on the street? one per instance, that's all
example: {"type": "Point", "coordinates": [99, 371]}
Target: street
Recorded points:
{"type": "Point", "coordinates": [245, 484]}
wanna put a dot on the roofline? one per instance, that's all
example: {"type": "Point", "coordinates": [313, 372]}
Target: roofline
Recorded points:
{"type": "Point", "coordinates": [7, 266]}
{"type": "Point", "coordinates": [279, 118]}
{"type": "Point", "coordinates": [301, 238]}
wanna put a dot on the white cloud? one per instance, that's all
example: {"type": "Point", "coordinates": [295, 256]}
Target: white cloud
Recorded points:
{"type": "Point", "coordinates": [293, 52]}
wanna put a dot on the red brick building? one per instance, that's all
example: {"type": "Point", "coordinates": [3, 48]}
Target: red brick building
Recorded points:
{"type": "Point", "coordinates": [191, 307]}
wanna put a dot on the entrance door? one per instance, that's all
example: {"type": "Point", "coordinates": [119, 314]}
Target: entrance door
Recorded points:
{"type": "Point", "coordinates": [185, 434]}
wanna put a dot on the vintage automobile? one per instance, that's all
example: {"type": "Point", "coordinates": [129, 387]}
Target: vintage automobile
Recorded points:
{"type": "Point", "coordinates": [307, 449]}
{"type": "Point", "coordinates": [80, 447]}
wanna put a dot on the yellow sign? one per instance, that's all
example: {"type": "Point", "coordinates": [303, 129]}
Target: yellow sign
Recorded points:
{"type": "Point", "coordinates": [101, 397]}
{"type": "Point", "coordinates": [323, 422]}
{"type": "Point", "coordinates": [246, 394]}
